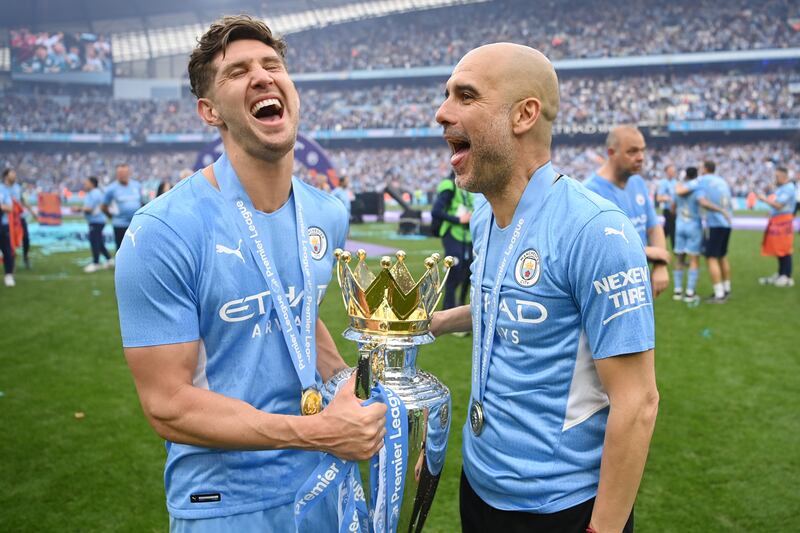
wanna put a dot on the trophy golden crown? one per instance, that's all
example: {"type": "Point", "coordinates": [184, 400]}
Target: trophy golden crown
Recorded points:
{"type": "Point", "coordinates": [391, 302]}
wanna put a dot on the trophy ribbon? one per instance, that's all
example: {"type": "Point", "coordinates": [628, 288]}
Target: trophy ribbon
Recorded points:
{"type": "Point", "coordinates": [303, 349]}
{"type": "Point", "coordinates": [386, 487]}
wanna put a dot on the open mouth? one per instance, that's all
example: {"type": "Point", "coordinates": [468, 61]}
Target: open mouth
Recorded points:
{"type": "Point", "coordinates": [459, 148]}
{"type": "Point", "coordinates": [267, 110]}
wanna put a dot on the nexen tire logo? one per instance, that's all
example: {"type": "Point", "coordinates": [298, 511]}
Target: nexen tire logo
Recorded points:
{"type": "Point", "coordinates": [246, 308]}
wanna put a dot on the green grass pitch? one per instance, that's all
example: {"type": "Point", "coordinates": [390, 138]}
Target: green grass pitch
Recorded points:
{"type": "Point", "coordinates": [724, 456]}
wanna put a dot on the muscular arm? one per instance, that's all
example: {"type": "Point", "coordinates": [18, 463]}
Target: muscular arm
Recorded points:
{"type": "Point", "coordinates": [451, 320]}
{"type": "Point", "coordinates": [630, 383]}
{"type": "Point", "coordinates": [329, 362]}
{"type": "Point", "coordinates": [184, 413]}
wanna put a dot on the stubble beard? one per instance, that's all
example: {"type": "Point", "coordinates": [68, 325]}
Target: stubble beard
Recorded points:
{"type": "Point", "coordinates": [493, 160]}
{"type": "Point", "coordinates": [248, 139]}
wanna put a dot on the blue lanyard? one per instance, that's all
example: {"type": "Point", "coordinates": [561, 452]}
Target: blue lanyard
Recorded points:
{"type": "Point", "coordinates": [483, 341]}
{"type": "Point", "coordinates": [302, 349]}
{"type": "Point", "coordinates": [387, 477]}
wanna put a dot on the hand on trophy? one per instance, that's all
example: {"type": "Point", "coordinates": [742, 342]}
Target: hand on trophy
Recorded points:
{"type": "Point", "coordinates": [349, 430]}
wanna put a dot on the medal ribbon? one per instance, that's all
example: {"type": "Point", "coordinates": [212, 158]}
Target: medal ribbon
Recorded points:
{"type": "Point", "coordinates": [387, 477]}
{"type": "Point", "coordinates": [302, 349]}
{"type": "Point", "coordinates": [483, 341]}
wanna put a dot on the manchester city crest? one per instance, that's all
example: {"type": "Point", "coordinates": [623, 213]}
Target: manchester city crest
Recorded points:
{"type": "Point", "coordinates": [318, 241]}
{"type": "Point", "coordinates": [528, 268]}
{"type": "Point", "coordinates": [640, 199]}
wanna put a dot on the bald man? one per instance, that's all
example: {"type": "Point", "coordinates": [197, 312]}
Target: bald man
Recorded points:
{"type": "Point", "coordinates": [618, 180]}
{"type": "Point", "coordinates": [564, 397]}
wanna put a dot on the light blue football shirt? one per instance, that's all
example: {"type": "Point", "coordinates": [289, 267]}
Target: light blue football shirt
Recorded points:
{"type": "Point", "coordinates": [666, 187]}
{"type": "Point", "coordinates": [5, 199]}
{"type": "Point", "coordinates": [93, 200]}
{"type": "Point", "coordinates": [717, 191]}
{"type": "Point", "coordinates": [184, 274]}
{"type": "Point", "coordinates": [787, 196]}
{"type": "Point", "coordinates": [634, 200]}
{"type": "Point", "coordinates": [16, 194]}
{"type": "Point", "coordinates": [128, 199]}
{"type": "Point", "coordinates": [584, 294]}
{"type": "Point", "coordinates": [686, 207]}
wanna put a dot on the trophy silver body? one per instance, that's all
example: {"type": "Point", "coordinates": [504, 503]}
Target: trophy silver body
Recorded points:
{"type": "Point", "coordinates": [390, 319]}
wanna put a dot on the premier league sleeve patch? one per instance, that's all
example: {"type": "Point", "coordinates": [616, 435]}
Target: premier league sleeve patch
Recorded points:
{"type": "Point", "coordinates": [318, 241]}
{"type": "Point", "coordinates": [528, 268]}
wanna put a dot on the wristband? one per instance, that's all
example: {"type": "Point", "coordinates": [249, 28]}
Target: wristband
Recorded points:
{"type": "Point", "coordinates": [656, 262]}
{"type": "Point", "coordinates": [590, 529]}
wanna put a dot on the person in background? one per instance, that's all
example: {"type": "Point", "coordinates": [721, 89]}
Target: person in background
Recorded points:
{"type": "Point", "coordinates": [665, 197]}
{"type": "Point", "coordinates": [688, 239]}
{"type": "Point", "coordinates": [15, 189]}
{"type": "Point", "coordinates": [779, 235]}
{"type": "Point", "coordinates": [342, 193]}
{"type": "Point", "coordinates": [618, 180]}
{"type": "Point", "coordinates": [714, 196]}
{"type": "Point", "coordinates": [451, 212]}
{"type": "Point", "coordinates": [126, 194]}
{"type": "Point", "coordinates": [6, 208]}
{"type": "Point", "coordinates": [91, 209]}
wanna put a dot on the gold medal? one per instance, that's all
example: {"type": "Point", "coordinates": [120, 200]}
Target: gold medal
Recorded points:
{"type": "Point", "coordinates": [311, 402]}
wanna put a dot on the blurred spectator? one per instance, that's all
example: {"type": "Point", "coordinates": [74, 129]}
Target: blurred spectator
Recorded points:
{"type": "Point", "coordinates": [559, 28]}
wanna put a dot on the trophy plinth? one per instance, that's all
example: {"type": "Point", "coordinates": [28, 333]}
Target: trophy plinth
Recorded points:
{"type": "Point", "coordinates": [390, 317]}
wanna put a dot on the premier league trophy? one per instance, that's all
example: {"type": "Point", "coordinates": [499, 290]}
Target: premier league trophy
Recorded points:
{"type": "Point", "coordinates": [390, 317]}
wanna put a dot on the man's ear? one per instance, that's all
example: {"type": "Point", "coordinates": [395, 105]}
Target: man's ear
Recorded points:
{"type": "Point", "coordinates": [207, 112]}
{"type": "Point", "coordinates": [525, 115]}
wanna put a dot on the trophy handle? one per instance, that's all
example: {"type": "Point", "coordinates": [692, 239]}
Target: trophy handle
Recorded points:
{"type": "Point", "coordinates": [364, 373]}
{"type": "Point", "coordinates": [370, 368]}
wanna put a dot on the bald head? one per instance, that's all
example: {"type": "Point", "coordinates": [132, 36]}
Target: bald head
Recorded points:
{"type": "Point", "coordinates": [626, 146]}
{"type": "Point", "coordinates": [622, 135]}
{"type": "Point", "coordinates": [518, 72]}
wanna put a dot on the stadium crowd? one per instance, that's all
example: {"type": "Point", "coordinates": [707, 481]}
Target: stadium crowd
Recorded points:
{"type": "Point", "coordinates": [747, 167]}
{"type": "Point", "coordinates": [599, 100]}
{"type": "Point", "coordinates": [571, 29]}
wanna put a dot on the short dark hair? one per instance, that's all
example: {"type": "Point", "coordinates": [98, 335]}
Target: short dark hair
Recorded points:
{"type": "Point", "coordinates": [691, 173]}
{"type": "Point", "coordinates": [782, 169]}
{"type": "Point", "coordinates": [219, 35]}
{"type": "Point", "coordinates": [122, 164]}
{"type": "Point", "coordinates": [93, 180]}
{"type": "Point", "coordinates": [709, 166]}
{"type": "Point", "coordinates": [7, 171]}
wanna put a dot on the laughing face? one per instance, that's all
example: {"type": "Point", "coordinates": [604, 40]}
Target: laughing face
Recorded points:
{"type": "Point", "coordinates": [477, 125]}
{"type": "Point", "coordinates": [253, 101]}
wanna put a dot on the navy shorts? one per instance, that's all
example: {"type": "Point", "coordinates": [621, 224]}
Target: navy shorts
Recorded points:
{"type": "Point", "coordinates": [715, 242]}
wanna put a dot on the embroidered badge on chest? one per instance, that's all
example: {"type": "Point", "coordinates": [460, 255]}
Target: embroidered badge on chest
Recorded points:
{"type": "Point", "coordinates": [318, 241]}
{"type": "Point", "coordinates": [528, 268]}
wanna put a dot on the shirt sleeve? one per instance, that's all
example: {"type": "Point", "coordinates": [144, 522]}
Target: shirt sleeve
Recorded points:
{"type": "Point", "coordinates": [610, 282]}
{"type": "Point", "coordinates": [783, 196]}
{"type": "Point", "coordinates": [155, 282]}
{"type": "Point", "coordinates": [108, 195]}
{"type": "Point", "coordinates": [652, 216]}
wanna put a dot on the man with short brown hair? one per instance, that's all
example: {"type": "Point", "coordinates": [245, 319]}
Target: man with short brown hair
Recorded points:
{"type": "Point", "coordinates": [219, 290]}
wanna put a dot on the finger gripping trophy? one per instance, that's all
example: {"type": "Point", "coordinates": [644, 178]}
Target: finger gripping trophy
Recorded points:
{"type": "Point", "coordinates": [390, 317]}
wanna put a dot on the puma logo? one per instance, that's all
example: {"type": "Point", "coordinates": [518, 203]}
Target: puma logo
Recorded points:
{"type": "Point", "coordinates": [222, 249]}
{"type": "Point", "coordinates": [132, 235]}
{"type": "Point", "coordinates": [620, 232]}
